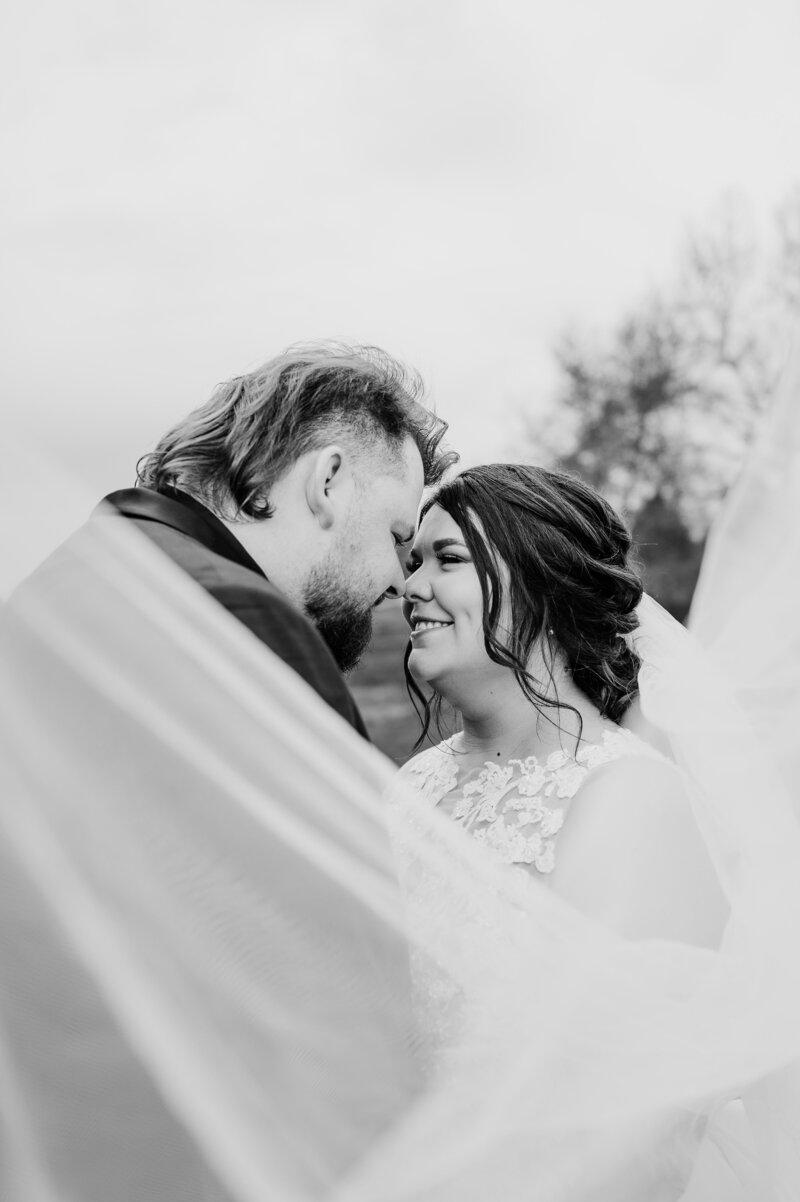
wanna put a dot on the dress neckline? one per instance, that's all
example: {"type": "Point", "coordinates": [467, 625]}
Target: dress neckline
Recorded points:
{"type": "Point", "coordinates": [556, 758]}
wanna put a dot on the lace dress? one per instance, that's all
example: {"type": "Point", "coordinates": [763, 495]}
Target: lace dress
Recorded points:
{"type": "Point", "coordinates": [469, 921]}
{"type": "Point", "coordinates": [516, 808]}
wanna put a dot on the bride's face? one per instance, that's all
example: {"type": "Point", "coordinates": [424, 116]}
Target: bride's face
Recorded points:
{"type": "Point", "coordinates": [443, 605]}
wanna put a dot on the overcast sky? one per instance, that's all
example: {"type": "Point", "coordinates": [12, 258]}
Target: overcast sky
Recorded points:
{"type": "Point", "coordinates": [191, 185]}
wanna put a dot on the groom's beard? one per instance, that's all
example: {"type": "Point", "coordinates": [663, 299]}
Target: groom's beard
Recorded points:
{"type": "Point", "coordinates": [344, 621]}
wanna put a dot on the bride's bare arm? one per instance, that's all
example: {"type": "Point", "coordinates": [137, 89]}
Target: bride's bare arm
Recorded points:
{"type": "Point", "coordinates": [631, 856]}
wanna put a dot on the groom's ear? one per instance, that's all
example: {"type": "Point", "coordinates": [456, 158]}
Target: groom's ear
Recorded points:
{"type": "Point", "coordinates": [325, 484]}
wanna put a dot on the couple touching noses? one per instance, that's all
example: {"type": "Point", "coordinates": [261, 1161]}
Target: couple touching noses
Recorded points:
{"type": "Point", "coordinates": [292, 497]}
{"type": "Point", "coordinates": [289, 497]}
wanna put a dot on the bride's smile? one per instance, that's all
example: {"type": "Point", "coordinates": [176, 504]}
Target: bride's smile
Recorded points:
{"type": "Point", "coordinates": [426, 625]}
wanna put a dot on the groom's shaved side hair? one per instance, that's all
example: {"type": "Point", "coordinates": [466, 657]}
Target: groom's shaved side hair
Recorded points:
{"type": "Point", "coordinates": [231, 451]}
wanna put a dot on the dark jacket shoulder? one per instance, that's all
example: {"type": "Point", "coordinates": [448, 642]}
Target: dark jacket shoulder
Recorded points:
{"type": "Point", "coordinates": [206, 550]}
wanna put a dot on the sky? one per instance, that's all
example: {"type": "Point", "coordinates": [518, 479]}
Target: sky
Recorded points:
{"type": "Point", "coordinates": [190, 186]}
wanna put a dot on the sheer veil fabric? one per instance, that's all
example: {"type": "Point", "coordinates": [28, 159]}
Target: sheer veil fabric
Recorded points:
{"type": "Point", "coordinates": [745, 614]}
{"type": "Point", "coordinates": [239, 963]}
{"type": "Point", "coordinates": [745, 605]}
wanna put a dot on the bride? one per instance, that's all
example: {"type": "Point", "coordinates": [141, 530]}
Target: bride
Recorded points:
{"type": "Point", "coordinates": [522, 603]}
{"type": "Point", "coordinates": [599, 909]}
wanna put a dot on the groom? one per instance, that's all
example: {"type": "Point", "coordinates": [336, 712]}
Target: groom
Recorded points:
{"type": "Point", "coordinates": [287, 495]}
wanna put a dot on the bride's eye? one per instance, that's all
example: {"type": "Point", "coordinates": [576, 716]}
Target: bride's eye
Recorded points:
{"type": "Point", "coordinates": [450, 559]}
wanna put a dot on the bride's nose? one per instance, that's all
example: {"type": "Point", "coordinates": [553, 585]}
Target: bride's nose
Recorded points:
{"type": "Point", "coordinates": [417, 587]}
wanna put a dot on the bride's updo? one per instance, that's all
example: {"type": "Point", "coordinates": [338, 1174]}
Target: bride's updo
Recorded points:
{"type": "Point", "coordinates": [569, 579]}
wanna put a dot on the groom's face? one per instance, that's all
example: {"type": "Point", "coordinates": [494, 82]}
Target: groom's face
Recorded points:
{"type": "Point", "coordinates": [365, 563]}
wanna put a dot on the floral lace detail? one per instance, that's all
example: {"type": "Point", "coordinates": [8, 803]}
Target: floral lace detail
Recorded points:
{"type": "Point", "coordinates": [435, 773]}
{"type": "Point", "coordinates": [510, 807]}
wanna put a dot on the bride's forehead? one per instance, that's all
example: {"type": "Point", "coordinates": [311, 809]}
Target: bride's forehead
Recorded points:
{"type": "Point", "coordinates": [437, 523]}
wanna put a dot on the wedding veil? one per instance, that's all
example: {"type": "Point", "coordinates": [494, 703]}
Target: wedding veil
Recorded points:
{"type": "Point", "coordinates": [222, 980]}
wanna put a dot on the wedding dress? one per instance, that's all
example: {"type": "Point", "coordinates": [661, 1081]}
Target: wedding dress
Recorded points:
{"type": "Point", "coordinates": [214, 987]}
{"type": "Point", "coordinates": [513, 808]}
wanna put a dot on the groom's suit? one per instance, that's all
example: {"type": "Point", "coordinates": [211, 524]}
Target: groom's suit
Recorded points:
{"type": "Point", "coordinates": [204, 548]}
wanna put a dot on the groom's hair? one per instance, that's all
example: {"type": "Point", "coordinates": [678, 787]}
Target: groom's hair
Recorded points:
{"type": "Point", "coordinates": [230, 452]}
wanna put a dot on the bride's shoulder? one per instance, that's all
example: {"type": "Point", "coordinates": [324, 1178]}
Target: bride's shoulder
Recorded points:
{"type": "Point", "coordinates": [628, 783]}
{"type": "Point", "coordinates": [615, 743]}
{"type": "Point", "coordinates": [619, 765]}
{"type": "Point", "coordinates": [632, 853]}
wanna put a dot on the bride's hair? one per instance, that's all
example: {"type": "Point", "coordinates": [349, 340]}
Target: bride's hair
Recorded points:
{"type": "Point", "coordinates": [570, 581]}
{"type": "Point", "coordinates": [230, 451]}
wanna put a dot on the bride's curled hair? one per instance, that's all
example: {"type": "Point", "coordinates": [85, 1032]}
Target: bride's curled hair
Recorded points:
{"type": "Point", "coordinates": [554, 562]}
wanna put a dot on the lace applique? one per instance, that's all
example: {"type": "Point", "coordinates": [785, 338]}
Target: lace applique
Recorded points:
{"type": "Point", "coordinates": [434, 773]}
{"type": "Point", "coordinates": [510, 807]}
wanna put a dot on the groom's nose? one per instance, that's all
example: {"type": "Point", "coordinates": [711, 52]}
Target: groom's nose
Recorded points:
{"type": "Point", "coordinates": [397, 588]}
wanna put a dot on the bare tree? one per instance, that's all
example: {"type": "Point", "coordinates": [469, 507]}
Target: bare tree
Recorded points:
{"type": "Point", "coordinates": [667, 404]}
{"type": "Point", "coordinates": [659, 415]}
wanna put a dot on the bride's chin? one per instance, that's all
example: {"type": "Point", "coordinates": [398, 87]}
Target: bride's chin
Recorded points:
{"type": "Point", "coordinates": [439, 682]}
{"type": "Point", "coordinates": [416, 668]}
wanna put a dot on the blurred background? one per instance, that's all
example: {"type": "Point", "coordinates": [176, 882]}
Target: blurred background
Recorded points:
{"type": "Point", "coordinates": [581, 223]}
